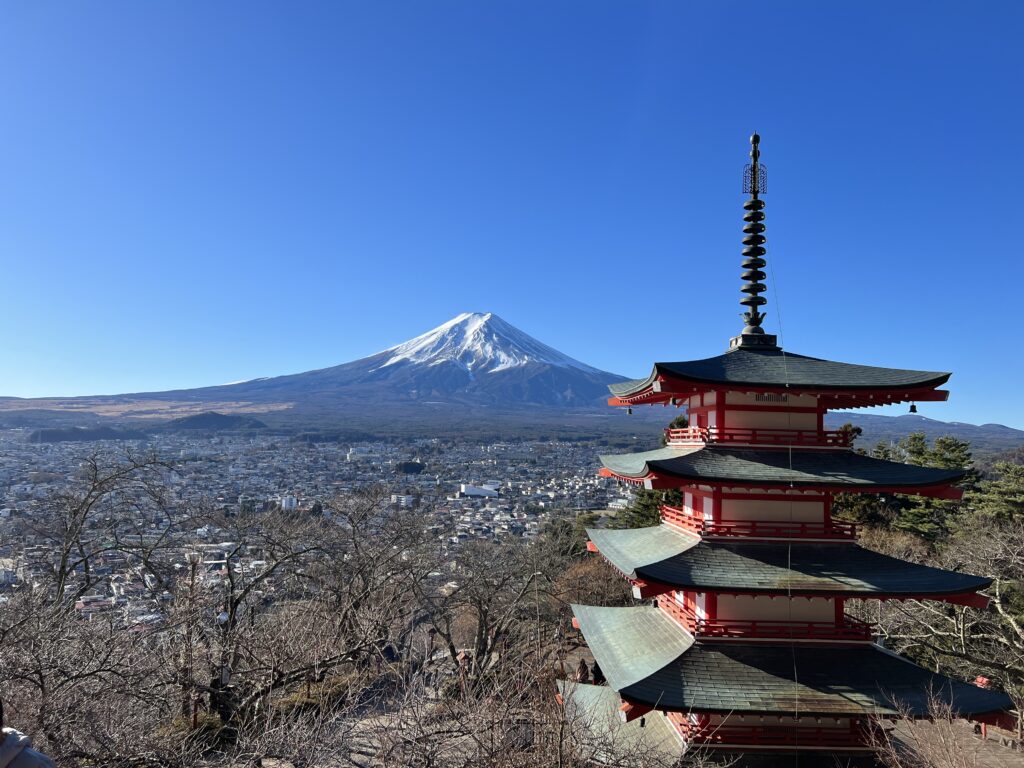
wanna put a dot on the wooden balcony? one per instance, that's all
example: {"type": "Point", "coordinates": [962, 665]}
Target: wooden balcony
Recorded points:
{"type": "Point", "coordinates": [754, 529]}
{"type": "Point", "coordinates": [850, 630]}
{"type": "Point", "coordinates": [802, 438]}
{"type": "Point", "coordinates": [776, 736]}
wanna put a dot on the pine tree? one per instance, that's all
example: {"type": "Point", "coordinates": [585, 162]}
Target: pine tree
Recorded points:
{"type": "Point", "coordinates": [857, 507]}
{"type": "Point", "coordinates": [1002, 497]}
{"type": "Point", "coordinates": [927, 517]}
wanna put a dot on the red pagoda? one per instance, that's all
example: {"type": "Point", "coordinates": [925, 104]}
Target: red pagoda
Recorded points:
{"type": "Point", "coordinates": [742, 645]}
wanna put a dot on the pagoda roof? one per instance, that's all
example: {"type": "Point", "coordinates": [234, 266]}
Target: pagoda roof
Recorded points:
{"type": "Point", "coordinates": [631, 645]}
{"type": "Point", "coordinates": [596, 708]}
{"type": "Point", "coordinates": [664, 555]}
{"type": "Point", "coordinates": [775, 368]}
{"type": "Point", "coordinates": [766, 468]}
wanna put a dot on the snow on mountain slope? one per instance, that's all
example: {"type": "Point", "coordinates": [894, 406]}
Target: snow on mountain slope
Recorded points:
{"type": "Point", "coordinates": [481, 343]}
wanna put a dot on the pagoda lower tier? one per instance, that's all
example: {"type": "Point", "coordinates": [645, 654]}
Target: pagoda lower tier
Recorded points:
{"type": "Point", "coordinates": [731, 694]}
{"type": "Point", "coordinates": [826, 470]}
{"type": "Point", "coordinates": [659, 559]}
{"type": "Point", "coordinates": [661, 739]}
{"type": "Point", "coordinates": [652, 662]}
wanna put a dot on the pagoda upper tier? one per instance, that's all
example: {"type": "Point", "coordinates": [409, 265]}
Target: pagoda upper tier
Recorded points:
{"type": "Point", "coordinates": [765, 370]}
{"type": "Point", "coordinates": [660, 555]}
{"type": "Point", "coordinates": [835, 470]}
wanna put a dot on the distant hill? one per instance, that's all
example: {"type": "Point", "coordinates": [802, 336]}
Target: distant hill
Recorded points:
{"type": "Point", "coordinates": [984, 438]}
{"type": "Point", "coordinates": [213, 421]}
{"type": "Point", "coordinates": [475, 377]}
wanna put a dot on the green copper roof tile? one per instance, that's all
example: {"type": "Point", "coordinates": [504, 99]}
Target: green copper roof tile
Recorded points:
{"type": "Point", "coordinates": [630, 548]}
{"type": "Point", "coordinates": [663, 555]}
{"type": "Point", "coordinates": [807, 568]}
{"type": "Point", "coordinates": [635, 651]}
{"type": "Point", "coordinates": [596, 708]}
{"type": "Point", "coordinates": [636, 642]}
{"type": "Point", "coordinates": [830, 468]}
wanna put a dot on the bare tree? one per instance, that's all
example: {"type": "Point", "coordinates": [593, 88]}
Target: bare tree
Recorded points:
{"type": "Point", "coordinates": [99, 512]}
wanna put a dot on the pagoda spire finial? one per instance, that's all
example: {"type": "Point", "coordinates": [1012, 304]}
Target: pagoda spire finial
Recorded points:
{"type": "Point", "coordinates": [755, 183]}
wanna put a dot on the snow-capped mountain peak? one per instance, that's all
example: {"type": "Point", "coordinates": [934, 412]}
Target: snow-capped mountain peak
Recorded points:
{"type": "Point", "coordinates": [481, 342]}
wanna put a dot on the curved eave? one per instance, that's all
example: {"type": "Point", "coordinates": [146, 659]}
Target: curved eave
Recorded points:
{"type": "Point", "coordinates": [665, 392]}
{"type": "Point", "coordinates": [630, 643]}
{"type": "Point", "coordinates": [774, 469]}
{"type": "Point", "coordinates": [828, 401]}
{"type": "Point", "coordinates": [656, 664]}
{"type": "Point", "coordinates": [661, 482]}
{"type": "Point", "coordinates": [660, 558]}
{"type": "Point", "coordinates": [840, 385]}
{"type": "Point", "coordinates": [598, 709]}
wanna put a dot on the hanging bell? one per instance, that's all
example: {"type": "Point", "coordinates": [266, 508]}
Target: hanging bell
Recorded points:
{"type": "Point", "coordinates": [629, 411]}
{"type": "Point", "coordinates": [913, 407]}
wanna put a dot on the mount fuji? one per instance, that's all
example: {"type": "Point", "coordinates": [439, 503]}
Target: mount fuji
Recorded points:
{"type": "Point", "coordinates": [473, 376]}
{"type": "Point", "coordinates": [473, 359]}
{"type": "Point", "coordinates": [476, 366]}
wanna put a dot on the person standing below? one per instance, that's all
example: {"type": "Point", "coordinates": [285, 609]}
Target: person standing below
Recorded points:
{"type": "Point", "coordinates": [583, 672]}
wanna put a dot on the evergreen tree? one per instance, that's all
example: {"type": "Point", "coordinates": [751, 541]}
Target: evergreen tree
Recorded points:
{"type": "Point", "coordinates": [922, 516]}
{"type": "Point", "coordinates": [1002, 497]}
{"type": "Point", "coordinates": [858, 507]}
{"type": "Point", "coordinates": [851, 433]}
{"type": "Point", "coordinates": [927, 517]}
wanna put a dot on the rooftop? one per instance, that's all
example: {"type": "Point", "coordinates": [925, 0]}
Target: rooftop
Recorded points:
{"type": "Point", "coordinates": [633, 644]}
{"type": "Point", "coordinates": [767, 468]}
{"type": "Point", "coordinates": [662, 554]}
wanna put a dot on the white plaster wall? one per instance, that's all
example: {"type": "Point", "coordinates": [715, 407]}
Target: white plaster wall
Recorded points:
{"type": "Point", "coordinates": [800, 511]}
{"type": "Point", "coordinates": [769, 420]}
{"type": "Point", "coordinates": [763, 608]}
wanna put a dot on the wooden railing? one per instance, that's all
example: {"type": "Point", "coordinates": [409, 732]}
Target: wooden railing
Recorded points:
{"type": "Point", "coordinates": [775, 736]}
{"type": "Point", "coordinates": [850, 630]}
{"type": "Point", "coordinates": [773, 529]}
{"type": "Point", "coordinates": [757, 436]}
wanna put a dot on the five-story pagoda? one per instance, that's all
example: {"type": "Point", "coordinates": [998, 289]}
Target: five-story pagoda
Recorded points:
{"type": "Point", "coordinates": [743, 644]}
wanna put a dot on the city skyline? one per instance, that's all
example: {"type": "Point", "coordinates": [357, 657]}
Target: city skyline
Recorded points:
{"type": "Point", "coordinates": [191, 197]}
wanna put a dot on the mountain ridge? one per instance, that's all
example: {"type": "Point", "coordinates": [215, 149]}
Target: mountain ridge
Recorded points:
{"type": "Point", "coordinates": [473, 374]}
{"type": "Point", "coordinates": [474, 359]}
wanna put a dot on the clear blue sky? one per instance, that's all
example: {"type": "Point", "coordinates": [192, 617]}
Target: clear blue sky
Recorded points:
{"type": "Point", "coordinates": [199, 192]}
